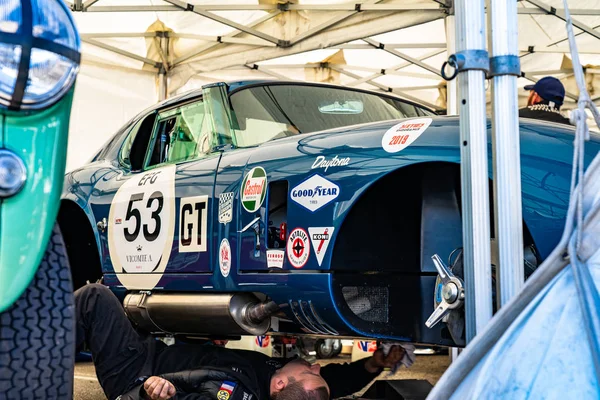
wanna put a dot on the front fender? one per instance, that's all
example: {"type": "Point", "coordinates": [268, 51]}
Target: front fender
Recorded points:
{"type": "Point", "coordinates": [26, 219]}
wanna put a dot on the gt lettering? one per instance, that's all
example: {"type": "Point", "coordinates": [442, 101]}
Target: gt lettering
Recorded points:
{"type": "Point", "coordinates": [193, 224]}
{"type": "Point", "coordinates": [187, 214]}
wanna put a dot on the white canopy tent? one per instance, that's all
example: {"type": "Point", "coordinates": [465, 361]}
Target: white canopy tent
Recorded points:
{"type": "Point", "coordinates": [137, 52]}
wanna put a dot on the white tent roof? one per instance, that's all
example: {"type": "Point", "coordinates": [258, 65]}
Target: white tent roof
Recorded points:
{"type": "Point", "coordinates": [394, 45]}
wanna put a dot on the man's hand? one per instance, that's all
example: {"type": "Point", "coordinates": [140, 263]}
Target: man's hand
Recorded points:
{"type": "Point", "coordinates": [378, 360]}
{"type": "Point", "coordinates": [158, 388]}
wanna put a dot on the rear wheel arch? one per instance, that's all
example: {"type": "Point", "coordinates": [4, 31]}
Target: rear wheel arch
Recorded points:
{"type": "Point", "coordinates": [80, 242]}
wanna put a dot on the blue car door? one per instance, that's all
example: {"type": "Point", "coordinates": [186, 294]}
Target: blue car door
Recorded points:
{"type": "Point", "coordinates": [157, 211]}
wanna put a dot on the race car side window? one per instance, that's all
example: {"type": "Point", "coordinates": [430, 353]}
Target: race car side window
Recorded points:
{"type": "Point", "coordinates": [181, 134]}
{"type": "Point", "coordinates": [134, 147]}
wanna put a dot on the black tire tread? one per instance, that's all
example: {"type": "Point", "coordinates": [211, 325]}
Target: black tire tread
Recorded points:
{"type": "Point", "coordinates": [37, 334]}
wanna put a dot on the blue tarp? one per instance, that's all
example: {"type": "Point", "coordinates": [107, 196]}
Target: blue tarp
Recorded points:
{"type": "Point", "coordinates": [545, 354]}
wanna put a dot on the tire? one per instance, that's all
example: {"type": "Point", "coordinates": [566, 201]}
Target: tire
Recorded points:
{"type": "Point", "coordinates": [37, 333]}
{"type": "Point", "coordinates": [322, 351]}
{"type": "Point", "coordinates": [337, 350]}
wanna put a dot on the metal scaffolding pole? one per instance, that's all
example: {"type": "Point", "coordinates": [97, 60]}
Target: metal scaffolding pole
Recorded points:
{"type": "Point", "coordinates": [451, 108]}
{"type": "Point", "coordinates": [504, 71]}
{"type": "Point", "coordinates": [470, 46]}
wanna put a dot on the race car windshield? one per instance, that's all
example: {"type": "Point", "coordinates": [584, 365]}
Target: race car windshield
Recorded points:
{"type": "Point", "coordinates": [270, 112]}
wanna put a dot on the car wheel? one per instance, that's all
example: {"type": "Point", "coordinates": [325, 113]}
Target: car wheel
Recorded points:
{"type": "Point", "coordinates": [337, 347]}
{"type": "Point", "coordinates": [323, 349]}
{"type": "Point", "coordinates": [37, 333]}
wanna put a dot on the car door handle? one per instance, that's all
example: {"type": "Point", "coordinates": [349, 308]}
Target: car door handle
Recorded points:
{"type": "Point", "coordinates": [253, 222]}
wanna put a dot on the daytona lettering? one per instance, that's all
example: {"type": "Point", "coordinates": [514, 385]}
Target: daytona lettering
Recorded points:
{"type": "Point", "coordinates": [322, 162]}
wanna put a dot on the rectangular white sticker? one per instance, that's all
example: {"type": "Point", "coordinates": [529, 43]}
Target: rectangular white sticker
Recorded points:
{"type": "Point", "coordinates": [192, 224]}
{"type": "Point", "coordinates": [275, 258]}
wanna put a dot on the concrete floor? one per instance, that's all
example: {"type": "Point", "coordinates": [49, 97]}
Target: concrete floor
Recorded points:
{"type": "Point", "coordinates": [429, 367]}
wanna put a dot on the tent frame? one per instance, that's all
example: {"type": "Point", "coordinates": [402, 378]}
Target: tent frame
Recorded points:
{"type": "Point", "coordinates": [262, 41]}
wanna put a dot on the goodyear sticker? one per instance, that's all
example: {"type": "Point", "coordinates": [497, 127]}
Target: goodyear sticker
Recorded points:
{"type": "Point", "coordinates": [315, 192]}
{"type": "Point", "coordinates": [254, 189]}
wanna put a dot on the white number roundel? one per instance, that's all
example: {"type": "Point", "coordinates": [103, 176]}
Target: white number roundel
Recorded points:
{"type": "Point", "coordinates": [141, 227]}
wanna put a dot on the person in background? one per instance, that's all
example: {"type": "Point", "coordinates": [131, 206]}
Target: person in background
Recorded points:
{"type": "Point", "coordinates": [544, 102]}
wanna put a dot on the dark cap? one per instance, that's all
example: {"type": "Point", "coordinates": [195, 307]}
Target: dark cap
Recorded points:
{"type": "Point", "coordinates": [549, 89]}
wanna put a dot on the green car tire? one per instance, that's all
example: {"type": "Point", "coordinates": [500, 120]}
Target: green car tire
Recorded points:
{"type": "Point", "coordinates": [37, 333]}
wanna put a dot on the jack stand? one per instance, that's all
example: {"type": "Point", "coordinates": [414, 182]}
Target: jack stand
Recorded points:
{"type": "Point", "coordinates": [398, 389]}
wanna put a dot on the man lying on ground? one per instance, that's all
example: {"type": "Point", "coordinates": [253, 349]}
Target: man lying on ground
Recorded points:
{"type": "Point", "coordinates": [133, 366]}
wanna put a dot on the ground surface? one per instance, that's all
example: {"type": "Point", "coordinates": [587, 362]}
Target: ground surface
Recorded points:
{"type": "Point", "coordinates": [429, 367]}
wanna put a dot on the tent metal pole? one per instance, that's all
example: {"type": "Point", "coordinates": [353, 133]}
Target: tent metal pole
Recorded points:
{"type": "Point", "coordinates": [451, 87]}
{"type": "Point", "coordinates": [504, 70]}
{"type": "Point", "coordinates": [470, 39]}
{"type": "Point", "coordinates": [162, 72]}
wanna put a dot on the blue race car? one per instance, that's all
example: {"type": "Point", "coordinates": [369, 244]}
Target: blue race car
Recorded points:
{"type": "Point", "coordinates": [297, 208]}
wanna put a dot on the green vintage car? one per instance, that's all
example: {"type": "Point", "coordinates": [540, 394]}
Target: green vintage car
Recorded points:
{"type": "Point", "coordinates": [39, 63]}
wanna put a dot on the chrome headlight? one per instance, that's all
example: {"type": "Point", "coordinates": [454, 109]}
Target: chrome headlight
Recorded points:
{"type": "Point", "coordinates": [39, 53]}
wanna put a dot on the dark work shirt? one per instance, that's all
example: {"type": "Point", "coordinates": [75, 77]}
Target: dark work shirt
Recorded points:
{"type": "Point", "coordinates": [543, 112]}
{"type": "Point", "coordinates": [342, 379]}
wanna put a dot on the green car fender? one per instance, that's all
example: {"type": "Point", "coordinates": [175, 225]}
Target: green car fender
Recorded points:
{"type": "Point", "coordinates": [27, 218]}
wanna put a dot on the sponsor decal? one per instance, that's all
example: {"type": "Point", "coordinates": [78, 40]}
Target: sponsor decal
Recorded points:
{"type": "Point", "coordinates": [254, 189]}
{"type": "Point", "coordinates": [322, 162]}
{"type": "Point", "coordinates": [275, 258]}
{"type": "Point", "coordinates": [141, 228]}
{"type": "Point", "coordinates": [319, 238]}
{"type": "Point", "coordinates": [262, 341]}
{"type": "Point", "coordinates": [226, 390]}
{"type": "Point", "coordinates": [367, 346]}
{"type": "Point", "coordinates": [402, 135]}
{"type": "Point", "coordinates": [298, 248]}
{"type": "Point", "coordinates": [192, 224]}
{"type": "Point", "coordinates": [225, 207]}
{"type": "Point", "coordinates": [225, 257]}
{"type": "Point", "coordinates": [247, 396]}
{"type": "Point", "coordinates": [315, 192]}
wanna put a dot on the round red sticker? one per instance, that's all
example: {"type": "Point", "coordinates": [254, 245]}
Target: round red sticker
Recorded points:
{"type": "Point", "coordinates": [298, 248]}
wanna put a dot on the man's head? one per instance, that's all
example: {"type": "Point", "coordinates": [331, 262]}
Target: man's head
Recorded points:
{"type": "Point", "coordinates": [299, 380]}
{"type": "Point", "coordinates": [548, 90]}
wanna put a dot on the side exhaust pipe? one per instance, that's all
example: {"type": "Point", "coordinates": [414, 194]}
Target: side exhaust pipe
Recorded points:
{"type": "Point", "coordinates": [204, 314]}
